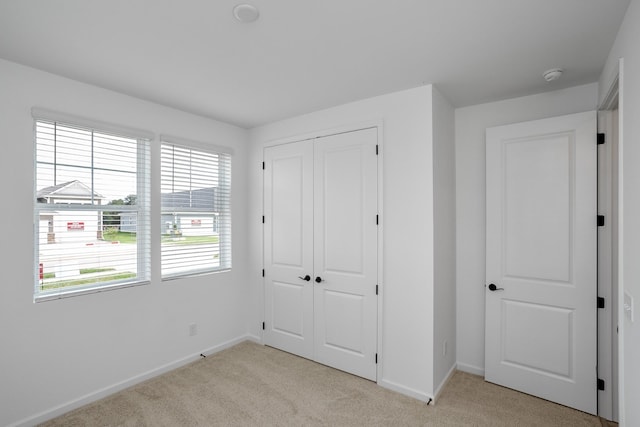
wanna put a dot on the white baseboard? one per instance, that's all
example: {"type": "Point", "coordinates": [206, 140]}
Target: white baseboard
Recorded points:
{"type": "Point", "coordinates": [407, 391]}
{"type": "Point", "coordinates": [106, 391]}
{"type": "Point", "coordinates": [254, 338]}
{"type": "Point", "coordinates": [444, 382]}
{"type": "Point", "coordinates": [470, 369]}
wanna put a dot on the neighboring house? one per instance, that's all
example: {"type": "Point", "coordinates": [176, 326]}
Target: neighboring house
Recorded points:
{"type": "Point", "coordinates": [187, 213]}
{"type": "Point", "coordinates": [83, 226]}
{"type": "Point", "coordinates": [180, 212]}
{"type": "Point", "coordinates": [432, 286]}
{"type": "Point", "coordinates": [69, 226]}
{"type": "Point", "coordinates": [71, 192]}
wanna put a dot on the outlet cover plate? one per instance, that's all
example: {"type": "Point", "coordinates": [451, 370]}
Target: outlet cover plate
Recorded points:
{"type": "Point", "coordinates": [628, 306]}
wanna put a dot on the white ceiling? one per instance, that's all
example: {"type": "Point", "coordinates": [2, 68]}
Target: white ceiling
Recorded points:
{"type": "Point", "coordinates": [304, 55]}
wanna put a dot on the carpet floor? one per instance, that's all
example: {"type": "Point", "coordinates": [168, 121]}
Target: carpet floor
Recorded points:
{"type": "Point", "coordinates": [254, 385]}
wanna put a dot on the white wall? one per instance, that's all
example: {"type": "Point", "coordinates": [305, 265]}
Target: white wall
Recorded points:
{"type": "Point", "coordinates": [407, 283]}
{"type": "Point", "coordinates": [57, 354]}
{"type": "Point", "coordinates": [444, 235]}
{"type": "Point", "coordinates": [470, 125]}
{"type": "Point", "coordinates": [626, 47]}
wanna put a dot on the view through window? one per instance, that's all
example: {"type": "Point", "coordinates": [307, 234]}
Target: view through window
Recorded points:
{"type": "Point", "coordinates": [91, 210]}
{"type": "Point", "coordinates": [196, 210]}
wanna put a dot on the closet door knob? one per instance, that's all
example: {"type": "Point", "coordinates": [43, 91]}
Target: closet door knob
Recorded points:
{"type": "Point", "coordinates": [318, 279]}
{"type": "Point", "coordinates": [305, 278]}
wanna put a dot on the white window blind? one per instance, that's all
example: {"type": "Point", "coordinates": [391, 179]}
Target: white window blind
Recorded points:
{"type": "Point", "coordinates": [196, 210]}
{"type": "Point", "coordinates": [91, 211]}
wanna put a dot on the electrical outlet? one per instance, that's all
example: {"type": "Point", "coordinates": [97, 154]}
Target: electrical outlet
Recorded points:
{"type": "Point", "coordinates": [193, 329]}
{"type": "Point", "coordinates": [628, 306]}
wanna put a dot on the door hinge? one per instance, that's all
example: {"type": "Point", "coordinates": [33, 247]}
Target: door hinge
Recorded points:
{"type": "Point", "coordinates": [600, 302]}
{"type": "Point", "coordinates": [600, 220]}
{"type": "Point", "coordinates": [376, 289]}
{"type": "Point", "coordinates": [376, 149]}
{"type": "Point", "coordinates": [600, 138]}
{"type": "Point", "coordinates": [376, 358]}
{"type": "Point", "coordinates": [377, 219]}
{"type": "Point", "coordinates": [263, 326]}
{"type": "Point", "coordinates": [600, 384]}
{"type": "Point", "coordinates": [263, 272]}
{"type": "Point", "coordinates": [263, 219]}
{"type": "Point", "coordinates": [263, 166]}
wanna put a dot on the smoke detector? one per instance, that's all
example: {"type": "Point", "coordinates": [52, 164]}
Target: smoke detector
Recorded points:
{"type": "Point", "coordinates": [246, 13]}
{"type": "Point", "coordinates": [552, 74]}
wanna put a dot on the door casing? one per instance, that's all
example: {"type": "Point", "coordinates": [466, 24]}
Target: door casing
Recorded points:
{"type": "Point", "coordinates": [541, 255]}
{"type": "Point", "coordinates": [379, 126]}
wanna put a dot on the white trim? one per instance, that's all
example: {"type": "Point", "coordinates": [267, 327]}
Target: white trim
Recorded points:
{"type": "Point", "coordinates": [176, 276]}
{"type": "Point", "coordinates": [114, 388]}
{"type": "Point", "coordinates": [325, 132]}
{"type": "Point", "coordinates": [613, 88]}
{"type": "Point", "coordinates": [380, 367]}
{"type": "Point", "coordinates": [70, 119]}
{"type": "Point", "coordinates": [354, 127]}
{"type": "Point", "coordinates": [254, 338]}
{"type": "Point", "coordinates": [611, 98]}
{"type": "Point", "coordinates": [188, 143]}
{"type": "Point", "coordinates": [443, 384]}
{"type": "Point", "coordinates": [621, 275]}
{"type": "Point", "coordinates": [95, 289]}
{"type": "Point", "coordinates": [607, 324]}
{"type": "Point", "coordinates": [407, 391]}
{"type": "Point", "coordinates": [470, 369]}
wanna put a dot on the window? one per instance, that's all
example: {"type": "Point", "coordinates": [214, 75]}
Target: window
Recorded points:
{"type": "Point", "coordinates": [92, 208]}
{"type": "Point", "coordinates": [196, 209]}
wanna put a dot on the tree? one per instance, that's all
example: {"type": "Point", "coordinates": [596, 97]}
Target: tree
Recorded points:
{"type": "Point", "coordinates": [112, 218]}
{"type": "Point", "coordinates": [131, 199]}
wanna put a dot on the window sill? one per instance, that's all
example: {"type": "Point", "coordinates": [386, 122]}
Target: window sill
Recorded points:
{"type": "Point", "coordinates": [77, 292]}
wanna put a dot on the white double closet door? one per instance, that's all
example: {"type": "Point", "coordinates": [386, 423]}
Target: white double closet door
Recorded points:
{"type": "Point", "coordinates": [320, 249]}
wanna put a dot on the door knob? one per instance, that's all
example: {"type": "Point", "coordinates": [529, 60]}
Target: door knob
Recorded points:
{"type": "Point", "coordinates": [318, 279]}
{"type": "Point", "coordinates": [305, 278]}
{"type": "Point", "coordinates": [493, 287]}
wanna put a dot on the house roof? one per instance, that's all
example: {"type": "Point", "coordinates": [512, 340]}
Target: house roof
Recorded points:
{"type": "Point", "coordinates": [69, 190]}
{"type": "Point", "coordinates": [204, 198]}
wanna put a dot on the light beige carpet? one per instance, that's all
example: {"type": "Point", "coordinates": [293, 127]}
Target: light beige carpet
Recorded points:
{"type": "Point", "coordinates": [253, 385]}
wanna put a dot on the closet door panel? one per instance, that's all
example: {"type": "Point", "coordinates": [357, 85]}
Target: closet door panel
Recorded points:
{"type": "Point", "coordinates": [345, 251]}
{"type": "Point", "coordinates": [288, 247]}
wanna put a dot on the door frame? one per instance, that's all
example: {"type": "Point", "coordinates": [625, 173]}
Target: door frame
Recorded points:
{"type": "Point", "coordinates": [379, 126]}
{"type": "Point", "coordinates": [586, 301]}
{"type": "Point", "coordinates": [609, 267]}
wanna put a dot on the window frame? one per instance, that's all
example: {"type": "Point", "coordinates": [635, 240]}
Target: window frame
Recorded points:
{"type": "Point", "coordinates": [142, 206]}
{"type": "Point", "coordinates": [224, 219]}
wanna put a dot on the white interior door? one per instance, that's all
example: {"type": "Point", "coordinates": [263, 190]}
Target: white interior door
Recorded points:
{"type": "Point", "coordinates": [320, 250]}
{"type": "Point", "coordinates": [288, 247]}
{"type": "Point", "coordinates": [345, 251]}
{"type": "Point", "coordinates": [540, 322]}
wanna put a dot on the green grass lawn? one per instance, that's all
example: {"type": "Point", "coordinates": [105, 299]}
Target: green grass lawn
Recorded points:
{"type": "Point", "coordinates": [189, 240]}
{"type": "Point", "coordinates": [82, 271]}
{"type": "Point", "coordinates": [88, 280]}
{"type": "Point", "coordinates": [118, 236]}
{"type": "Point", "coordinates": [129, 238]}
{"type": "Point", "coordinates": [123, 238]}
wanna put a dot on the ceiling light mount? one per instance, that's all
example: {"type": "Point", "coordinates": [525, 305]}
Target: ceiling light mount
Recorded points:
{"type": "Point", "coordinates": [552, 74]}
{"type": "Point", "coordinates": [246, 13]}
